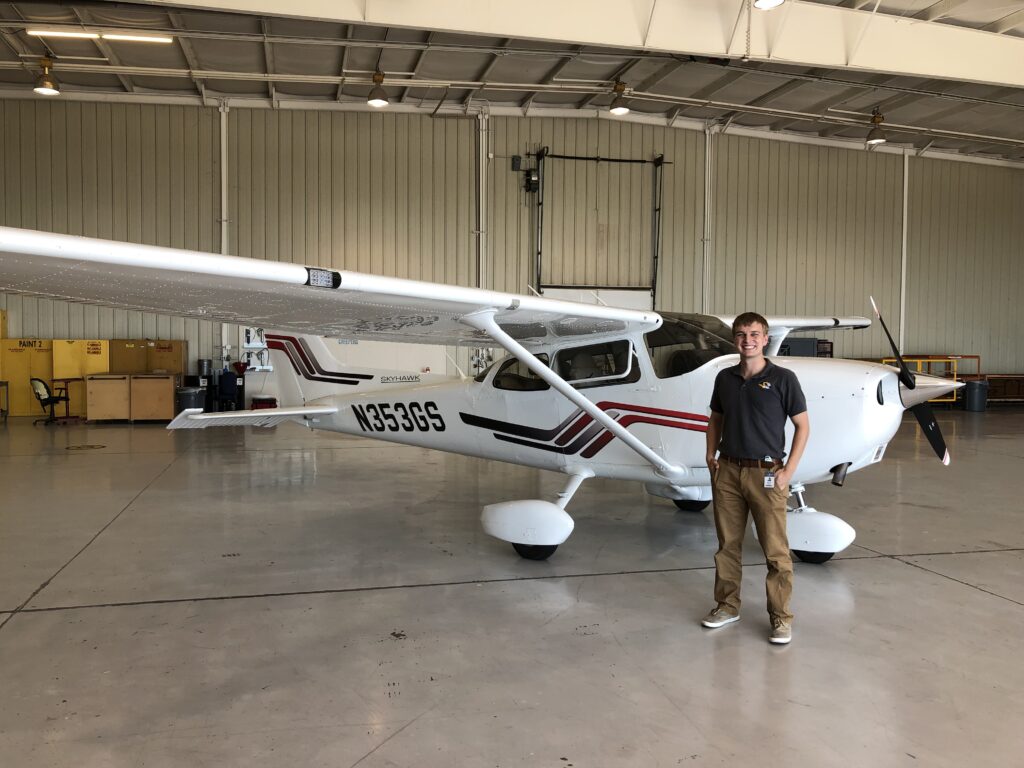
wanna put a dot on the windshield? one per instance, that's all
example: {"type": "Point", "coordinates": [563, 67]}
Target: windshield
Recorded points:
{"type": "Point", "coordinates": [686, 342]}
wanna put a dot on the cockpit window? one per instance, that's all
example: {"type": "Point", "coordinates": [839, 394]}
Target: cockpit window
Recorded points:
{"type": "Point", "coordinates": [684, 343]}
{"type": "Point", "coordinates": [514, 375]}
{"type": "Point", "coordinates": [597, 365]}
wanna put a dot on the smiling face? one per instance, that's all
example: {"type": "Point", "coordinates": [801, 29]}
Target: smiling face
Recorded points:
{"type": "Point", "coordinates": [750, 341]}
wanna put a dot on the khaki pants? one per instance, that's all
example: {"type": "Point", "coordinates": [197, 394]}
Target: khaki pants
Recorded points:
{"type": "Point", "coordinates": [736, 490]}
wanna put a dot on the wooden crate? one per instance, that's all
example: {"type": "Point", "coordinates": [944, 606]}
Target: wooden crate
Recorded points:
{"type": "Point", "coordinates": [152, 397]}
{"type": "Point", "coordinates": [108, 396]}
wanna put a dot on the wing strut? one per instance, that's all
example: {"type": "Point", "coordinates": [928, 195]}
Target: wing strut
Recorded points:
{"type": "Point", "coordinates": [483, 320]}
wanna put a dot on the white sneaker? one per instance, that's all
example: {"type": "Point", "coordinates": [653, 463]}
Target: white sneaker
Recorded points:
{"type": "Point", "coordinates": [719, 617]}
{"type": "Point", "coordinates": [782, 632]}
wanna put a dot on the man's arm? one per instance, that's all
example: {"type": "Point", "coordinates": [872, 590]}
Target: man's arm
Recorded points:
{"type": "Point", "coordinates": [714, 438]}
{"type": "Point", "coordinates": [802, 431]}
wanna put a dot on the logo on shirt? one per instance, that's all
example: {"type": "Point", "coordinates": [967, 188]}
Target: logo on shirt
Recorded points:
{"type": "Point", "coordinates": [765, 385]}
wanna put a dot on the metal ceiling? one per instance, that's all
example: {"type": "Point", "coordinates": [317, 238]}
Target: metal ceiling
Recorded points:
{"type": "Point", "coordinates": [257, 60]}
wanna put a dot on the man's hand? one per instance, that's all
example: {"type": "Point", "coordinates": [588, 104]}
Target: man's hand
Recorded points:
{"type": "Point", "coordinates": [712, 463]}
{"type": "Point", "coordinates": [782, 477]}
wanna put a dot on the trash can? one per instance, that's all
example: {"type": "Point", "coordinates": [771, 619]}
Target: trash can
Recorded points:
{"type": "Point", "coordinates": [189, 397]}
{"type": "Point", "coordinates": [976, 395]}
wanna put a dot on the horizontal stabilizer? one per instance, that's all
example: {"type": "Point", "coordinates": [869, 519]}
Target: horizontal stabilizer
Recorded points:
{"type": "Point", "coordinates": [194, 418]}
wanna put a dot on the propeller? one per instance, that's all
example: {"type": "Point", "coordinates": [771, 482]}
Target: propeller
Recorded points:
{"type": "Point", "coordinates": [922, 410]}
{"type": "Point", "coordinates": [906, 376]}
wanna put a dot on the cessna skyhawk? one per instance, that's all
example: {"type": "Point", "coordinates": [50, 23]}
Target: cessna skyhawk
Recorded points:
{"type": "Point", "coordinates": [586, 390]}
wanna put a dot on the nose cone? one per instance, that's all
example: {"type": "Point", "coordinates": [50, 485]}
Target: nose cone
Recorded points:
{"type": "Point", "coordinates": [928, 388]}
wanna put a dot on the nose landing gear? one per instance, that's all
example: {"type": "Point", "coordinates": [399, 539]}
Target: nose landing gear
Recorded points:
{"type": "Point", "coordinates": [814, 537]}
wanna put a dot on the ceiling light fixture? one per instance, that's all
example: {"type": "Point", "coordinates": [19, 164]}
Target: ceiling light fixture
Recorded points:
{"type": "Point", "coordinates": [47, 84]}
{"type": "Point", "coordinates": [137, 38]}
{"type": "Point", "coordinates": [618, 106]}
{"type": "Point", "coordinates": [378, 96]}
{"type": "Point", "coordinates": [876, 135]}
{"type": "Point", "coordinates": [767, 5]}
{"type": "Point", "coordinates": [62, 33]}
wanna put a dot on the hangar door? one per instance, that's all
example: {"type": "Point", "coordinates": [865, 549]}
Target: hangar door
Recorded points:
{"type": "Point", "coordinates": [597, 221]}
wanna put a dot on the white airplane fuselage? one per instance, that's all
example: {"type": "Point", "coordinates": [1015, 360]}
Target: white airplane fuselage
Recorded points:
{"type": "Point", "coordinates": [850, 423]}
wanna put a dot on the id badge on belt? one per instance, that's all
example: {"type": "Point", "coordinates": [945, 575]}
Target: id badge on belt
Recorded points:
{"type": "Point", "coordinates": [769, 479]}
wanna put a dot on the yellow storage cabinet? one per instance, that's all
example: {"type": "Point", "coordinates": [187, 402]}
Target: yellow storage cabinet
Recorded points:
{"type": "Point", "coordinates": [74, 359]}
{"type": "Point", "coordinates": [21, 360]}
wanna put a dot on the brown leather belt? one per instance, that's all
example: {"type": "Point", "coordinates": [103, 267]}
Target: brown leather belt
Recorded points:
{"type": "Point", "coordinates": [761, 463]}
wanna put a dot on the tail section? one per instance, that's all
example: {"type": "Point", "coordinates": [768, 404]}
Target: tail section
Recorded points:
{"type": "Point", "coordinates": [305, 370]}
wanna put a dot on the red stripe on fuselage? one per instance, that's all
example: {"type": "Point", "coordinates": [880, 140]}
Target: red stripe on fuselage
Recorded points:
{"type": "Point", "coordinates": [606, 437]}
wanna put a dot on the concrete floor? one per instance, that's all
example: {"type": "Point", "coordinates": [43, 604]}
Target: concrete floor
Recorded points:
{"type": "Point", "coordinates": [284, 598]}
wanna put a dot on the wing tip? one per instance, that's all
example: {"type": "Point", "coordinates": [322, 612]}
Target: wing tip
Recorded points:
{"type": "Point", "coordinates": [945, 459]}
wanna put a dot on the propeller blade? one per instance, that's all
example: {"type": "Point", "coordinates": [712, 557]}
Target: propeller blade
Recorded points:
{"type": "Point", "coordinates": [925, 417]}
{"type": "Point", "coordinates": [905, 374]}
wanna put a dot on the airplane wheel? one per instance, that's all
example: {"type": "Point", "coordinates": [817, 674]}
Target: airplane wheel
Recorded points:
{"type": "Point", "coordinates": [813, 557]}
{"type": "Point", "coordinates": [688, 505]}
{"type": "Point", "coordinates": [535, 551]}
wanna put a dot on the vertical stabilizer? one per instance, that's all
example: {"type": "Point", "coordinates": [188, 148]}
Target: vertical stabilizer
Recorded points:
{"type": "Point", "coordinates": [305, 370]}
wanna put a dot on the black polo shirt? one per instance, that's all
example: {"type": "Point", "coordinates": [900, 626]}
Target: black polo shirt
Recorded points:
{"type": "Point", "coordinates": [755, 410]}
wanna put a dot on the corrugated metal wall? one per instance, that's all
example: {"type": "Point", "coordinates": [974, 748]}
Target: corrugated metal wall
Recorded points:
{"type": "Point", "coordinates": [796, 228]}
{"type": "Point", "coordinates": [965, 281]}
{"type": "Point", "coordinates": [391, 194]}
{"type": "Point", "coordinates": [140, 173]}
{"type": "Point", "coordinates": [597, 227]}
{"type": "Point", "coordinates": [800, 229]}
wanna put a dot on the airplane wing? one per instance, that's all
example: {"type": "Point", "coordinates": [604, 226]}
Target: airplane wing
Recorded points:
{"type": "Point", "coordinates": [290, 297]}
{"type": "Point", "coordinates": [794, 324]}
{"type": "Point", "coordinates": [780, 327]}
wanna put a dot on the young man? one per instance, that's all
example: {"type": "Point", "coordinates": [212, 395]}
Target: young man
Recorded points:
{"type": "Point", "coordinates": [749, 407]}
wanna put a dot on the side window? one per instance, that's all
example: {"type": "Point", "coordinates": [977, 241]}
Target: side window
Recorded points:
{"type": "Point", "coordinates": [679, 347]}
{"type": "Point", "coordinates": [598, 365]}
{"type": "Point", "coordinates": [514, 375]}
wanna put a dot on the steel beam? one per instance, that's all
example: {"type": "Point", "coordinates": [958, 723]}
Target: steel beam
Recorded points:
{"type": "Point", "coordinates": [803, 34]}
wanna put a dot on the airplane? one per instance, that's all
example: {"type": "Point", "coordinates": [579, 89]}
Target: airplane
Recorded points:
{"type": "Point", "coordinates": [585, 390]}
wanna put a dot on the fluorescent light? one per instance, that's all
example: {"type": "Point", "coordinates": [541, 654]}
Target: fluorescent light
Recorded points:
{"type": "Point", "coordinates": [767, 5]}
{"type": "Point", "coordinates": [137, 38]}
{"type": "Point", "coordinates": [61, 33]}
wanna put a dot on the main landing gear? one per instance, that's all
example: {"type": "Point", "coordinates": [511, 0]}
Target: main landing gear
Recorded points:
{"type": "Point", "coordinates": [533, 527]}
{"type": "Point", "coordinates": [535, 551]}
{"type": "Point", "coordinates": [688, 505]}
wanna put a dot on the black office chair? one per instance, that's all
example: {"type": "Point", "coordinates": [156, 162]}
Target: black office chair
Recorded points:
{"type": "Point", "coordinates": [227, 392]}
{"type": "Point", "coordinates": [48, 399]}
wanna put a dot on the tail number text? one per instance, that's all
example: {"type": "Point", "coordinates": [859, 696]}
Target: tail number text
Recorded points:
{"type": "Point", "coordinates": [399, 417]}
